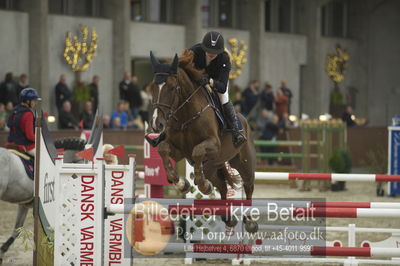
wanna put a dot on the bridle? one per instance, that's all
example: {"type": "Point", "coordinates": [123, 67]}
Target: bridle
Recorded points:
{"type": "Point", "coordinates": [171, 113]}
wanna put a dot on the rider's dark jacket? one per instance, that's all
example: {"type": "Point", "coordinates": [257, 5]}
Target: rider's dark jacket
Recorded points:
{"type": "Point", "coordinates": [218, 69]}
{"type": "Point", "coordinates": [21, 123]}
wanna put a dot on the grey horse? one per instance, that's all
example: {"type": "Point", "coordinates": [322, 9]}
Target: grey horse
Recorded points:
{"type": "Point", "coordinates": [17, 187]}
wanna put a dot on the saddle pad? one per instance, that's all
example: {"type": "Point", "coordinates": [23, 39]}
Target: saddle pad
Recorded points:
{"type": "Point", "coordinates": [26, 161]}
{"type": "Point", "coordinates": [219, 111]}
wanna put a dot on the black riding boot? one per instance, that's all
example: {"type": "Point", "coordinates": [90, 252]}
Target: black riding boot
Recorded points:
{"type": "Point", "coordinates": [237, 138]}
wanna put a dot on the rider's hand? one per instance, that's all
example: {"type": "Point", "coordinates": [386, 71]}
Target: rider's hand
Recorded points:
{"type": "Point", "coordinates": [203, 81]}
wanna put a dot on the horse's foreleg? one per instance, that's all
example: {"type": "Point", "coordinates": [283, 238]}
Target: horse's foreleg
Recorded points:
{"type": "Point", "coordinates": [206, 149]}
{"type": "Point", "coordinates": [22, 212]}
{"type": "Point", "coordinates": [165, 152]}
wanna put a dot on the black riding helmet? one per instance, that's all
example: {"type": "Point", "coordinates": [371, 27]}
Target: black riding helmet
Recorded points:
{"type": "Point", "coordinates": [213, 42]}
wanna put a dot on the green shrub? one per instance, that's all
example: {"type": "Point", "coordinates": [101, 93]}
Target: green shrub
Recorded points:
{"type": "Point", "coordinates": [340, 162]}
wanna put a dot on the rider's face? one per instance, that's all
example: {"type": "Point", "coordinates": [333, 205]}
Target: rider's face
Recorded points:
{"type": "Point", "coordinates": [33, 103]}
{"type": "Point", "coordinates": [211, 56]}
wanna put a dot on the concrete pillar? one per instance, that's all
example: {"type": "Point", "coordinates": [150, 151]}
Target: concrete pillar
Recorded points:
{"type": "Point", "coordinates": [310, 26]}
{"type": "Point", "coordinates": [119, 12]}
{"type": "Point", "coordinates": [38, 49]}
{"type": "Point", "coordinates": [254, 23]}
{"type": "Point", "coordinates": [188, 13]}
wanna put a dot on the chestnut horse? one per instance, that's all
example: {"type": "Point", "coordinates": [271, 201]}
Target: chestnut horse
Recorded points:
{"type": "Point", "coordinates": [182, 111]}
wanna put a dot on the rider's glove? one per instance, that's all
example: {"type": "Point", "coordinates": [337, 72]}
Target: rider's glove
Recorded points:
{"type": "Point", "coordinates": [203, 81]}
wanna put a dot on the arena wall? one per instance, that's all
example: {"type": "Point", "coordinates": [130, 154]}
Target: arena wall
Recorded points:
{"type": "Point", "coordinates": [283, 55]}
{"type": "Point", "coordinates": [102, 64]}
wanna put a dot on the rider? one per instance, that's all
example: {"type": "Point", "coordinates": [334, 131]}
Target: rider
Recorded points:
{"type": "Point", "coordinates": [211, 56]}
{"type": "Point", "coordinates": [21, 122]}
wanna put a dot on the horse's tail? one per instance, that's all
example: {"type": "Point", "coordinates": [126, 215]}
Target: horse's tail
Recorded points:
{"type": "Point", "coordinates": [229, 176]}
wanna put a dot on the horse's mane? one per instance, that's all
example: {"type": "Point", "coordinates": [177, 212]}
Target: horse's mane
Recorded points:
{"type": "Point", "coordinates": [186, 63]}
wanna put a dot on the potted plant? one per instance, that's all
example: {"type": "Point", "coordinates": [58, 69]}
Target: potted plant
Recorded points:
{"type": "Point", "coordinates": [340, 162]}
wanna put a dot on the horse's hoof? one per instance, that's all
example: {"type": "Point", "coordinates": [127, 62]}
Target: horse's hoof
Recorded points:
{"type": "Point", "coordinates": [251, 226]}
{"type": "Point", "coordinates": [232, 222]}
{"type": "Point", "coordinates": [207, 188]}
{"type": "Point", "coordinates": [184, 186]}
{"type": "Point", "coordinates": [229, 231]}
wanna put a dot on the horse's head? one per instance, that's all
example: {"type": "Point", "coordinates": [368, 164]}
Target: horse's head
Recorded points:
{"type": "Point", "coordinates": [164, 91]}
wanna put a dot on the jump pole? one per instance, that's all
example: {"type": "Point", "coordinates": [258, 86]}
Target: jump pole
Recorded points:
{"type": "Point", "coordinates": [230, 210]}
{"type": "Point", "coordinates": [281, 203]}
{"type": "Point", "coordinates": [327, 177]}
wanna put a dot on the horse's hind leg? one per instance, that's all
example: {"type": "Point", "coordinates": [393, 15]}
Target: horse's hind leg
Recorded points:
{"type": "Point", "coordinates": [165, 152]}
{"type": "Point", "coordinates": [22, 212]}
{"type": "Point", "coordinates": [220, 183]}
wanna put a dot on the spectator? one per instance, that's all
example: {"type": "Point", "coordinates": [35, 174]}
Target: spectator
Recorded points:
{"type": "Point", "coordinates": [137, 100]}
{"type": "Point", "coordinates": [9, 108]}
{"type": "Point", "coordinates": [288, 93]}
{"type": "Point", "coordinates": [63, 93]}
{"type": "Point", "coordinates": [87, 116]}
{"type": "Point", "coordinates": [129, 91]}
{"type": "Point", "coordinates": [124, 86]}
{"type": "Point", "coordinates": [131, 119]}
{"type": "Point", "coordinates": [281, 103]}
{"type": "Point", "coordinates": [285, 122]}
{"type": "Point", "coordinates": [22, 83]}
{"type": "Point", "coordinates": [9, 90]}
{"type": "Point", "coordinates": [65, 118]}
{"type": "Point", "coordinates": [233, 91]}
{"type": "Point", "coordinates": [263, 118]}
{"type": "Point", "coordinates": [116, 124]}
{"type": "Point", "coordinates": [122, 115]}
{"type": "Point", "coordinates": [250, 96]}
{"type": "Point", "coordinates": [238, 102]}
{"type": "Point", "coordinates": [108, 157]}
{"type": "Point", "coordinates": [267, 97]}
{"type": "Point", "coordinates": [106, 121]}
{"type": "Point", "coordinates": [94, 92]}
{"type": "Point", "coordinates": [3, 116]}
{"type": "Point", "coordinates": [146, 98]}
{"type": "Point", "coordinates": [269, 133]}
{"type": "Point", "coordinates": [348, 117]}
{"type": "Point", "coordinates": [81, 94]}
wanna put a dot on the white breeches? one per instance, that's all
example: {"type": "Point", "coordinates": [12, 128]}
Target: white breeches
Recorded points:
{"type": "Point", "coordinates": [224, 97]}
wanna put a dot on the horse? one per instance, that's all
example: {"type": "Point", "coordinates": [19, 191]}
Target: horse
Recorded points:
{"type": "Point", "coordinates": [17, 187]}
{"type": "Point", "coordinates": [183, 114]}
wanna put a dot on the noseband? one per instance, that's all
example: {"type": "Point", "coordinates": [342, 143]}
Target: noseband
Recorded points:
{"type": "Point", "coordinates": [172, 112]}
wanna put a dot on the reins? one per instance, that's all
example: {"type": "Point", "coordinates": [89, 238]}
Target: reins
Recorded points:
{"type": "Point", "coordinates": [173, 113]}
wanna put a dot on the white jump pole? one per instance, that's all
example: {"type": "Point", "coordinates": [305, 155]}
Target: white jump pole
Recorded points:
{"type": "Point", "coordinates": [327, 177]}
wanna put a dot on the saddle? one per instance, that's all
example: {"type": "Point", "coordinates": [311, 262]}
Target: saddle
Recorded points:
{"type": "Point", "coordinates": [27, 161]}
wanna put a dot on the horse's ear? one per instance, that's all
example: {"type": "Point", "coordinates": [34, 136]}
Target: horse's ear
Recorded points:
{"type": "Point", "coordinates": [174, 65]}
{"type": "Point", "coordinates": [153, 59]}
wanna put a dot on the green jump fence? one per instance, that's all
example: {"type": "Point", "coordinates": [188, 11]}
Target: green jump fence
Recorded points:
{"type": "Point", "coordinates": [313, 133]}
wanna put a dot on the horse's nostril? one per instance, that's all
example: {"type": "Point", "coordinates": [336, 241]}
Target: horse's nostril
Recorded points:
{"type": "Point", "coordinates": [160, 126]}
